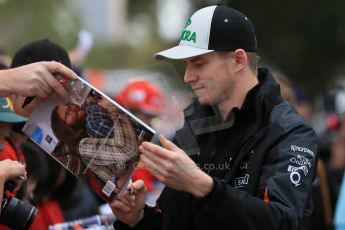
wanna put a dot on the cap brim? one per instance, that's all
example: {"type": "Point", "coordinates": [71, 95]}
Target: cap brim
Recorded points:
{"type": "Point", "coordinates": [11, 118]}
{"type": "Point", "coordinates": [181, 52]}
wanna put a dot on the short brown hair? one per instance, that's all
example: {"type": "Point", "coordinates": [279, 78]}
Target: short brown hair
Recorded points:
{"type": "Point", "coordinates": [253, 60]}
{"type": "Point", "coordinates": [252, 57]}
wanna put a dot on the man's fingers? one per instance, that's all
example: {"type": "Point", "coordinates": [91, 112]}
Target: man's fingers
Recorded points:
{"type": "Point", "coordinates": [169, 144]}
{"type": "Point", "coordinates": [156, 159]}
{"type": "Point", "coordinates": [45, 90]}
{"type": "Point", "coordinates": [39, 93]}
{"type": "Point", "coordinates": [42, 87]}
{"type": "Point", "coordinates": [127, 200]}
{"type": "Point", "coordinates": [125, 196]}
{"type": "Point", "coordinates": [150, 148]}
{"type": "Point", "coordinates": [120, 206]}
{"type": "Point", "coordinates": [161, 152]}
{"type": "Point", "coordinates": [56, 67]}
{"type": "Point", "coordinates": [57, 87]}
{"type": "Point", "coordinates": [155, 169]}
{"type": "Point", "coordinates": [130, 184]}
{"type": "Point", "coordinates": [139, 186]}
{"type": "Point", "coordinates": [53, 68]}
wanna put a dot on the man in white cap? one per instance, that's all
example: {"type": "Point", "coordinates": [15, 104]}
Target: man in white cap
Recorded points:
{"type": "Point", "coordinates": [244, 158]}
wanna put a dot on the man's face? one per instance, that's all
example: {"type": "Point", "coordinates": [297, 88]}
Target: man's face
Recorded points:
{"type": "Point", "coordinates": [5, 129]}
{"type": "Point", "coordinates": [211, 77]}
{"type": "Point", "coordinates": [71, 113]}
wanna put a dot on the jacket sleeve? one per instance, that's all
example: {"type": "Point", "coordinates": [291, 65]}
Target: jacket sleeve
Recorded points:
{"type": "Point", "coordinates": [283, 190]}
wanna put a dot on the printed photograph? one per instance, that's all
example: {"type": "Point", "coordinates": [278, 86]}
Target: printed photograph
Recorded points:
{"type": "Point", "coordinates": [92, 136]}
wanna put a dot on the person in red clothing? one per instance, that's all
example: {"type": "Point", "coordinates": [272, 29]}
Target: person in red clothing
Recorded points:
{"type": "Point", "coordinates": [145, 101]}
{"type": "Point", "coordinates": [7, 118]}
{"type": "Point", "coordinates": [7, 149]}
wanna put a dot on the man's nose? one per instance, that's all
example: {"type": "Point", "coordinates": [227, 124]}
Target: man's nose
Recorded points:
{"type": "Point", "coordinates": [189, 75]}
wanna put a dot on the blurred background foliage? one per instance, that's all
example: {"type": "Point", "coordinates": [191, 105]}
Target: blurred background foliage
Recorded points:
{"type": "Point", "coordinates": [304, 39]}
{"type": "Point", "coordinates": [25, 21]}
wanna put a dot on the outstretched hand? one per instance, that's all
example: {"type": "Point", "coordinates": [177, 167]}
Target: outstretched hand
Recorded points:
{"type": "Point", "coordinates": [35, 79]}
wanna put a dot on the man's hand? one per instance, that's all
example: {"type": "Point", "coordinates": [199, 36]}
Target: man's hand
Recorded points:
{"type": "Point", "coordinates": [173, 167]}
{"type": "Point", "coordinates": [10, 170]}
{"type": "Point", "coordinates": [129, 209]}
{"type": "Point", "coordinates": [35, 79]}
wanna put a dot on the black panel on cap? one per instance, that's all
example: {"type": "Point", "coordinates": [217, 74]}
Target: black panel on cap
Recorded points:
{"type": "Point", "coordinates": [231, 30]}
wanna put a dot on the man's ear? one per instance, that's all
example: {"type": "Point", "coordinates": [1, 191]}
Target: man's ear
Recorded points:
{"type": "Point", "coordinates": [241, 59]}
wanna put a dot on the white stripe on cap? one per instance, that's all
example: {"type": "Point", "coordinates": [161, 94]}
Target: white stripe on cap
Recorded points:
{"type": "Point", "coordinates": [201, 26]}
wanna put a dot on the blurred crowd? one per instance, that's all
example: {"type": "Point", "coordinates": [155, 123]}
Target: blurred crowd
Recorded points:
{"type": "Point", "coordinates": [64, 202]}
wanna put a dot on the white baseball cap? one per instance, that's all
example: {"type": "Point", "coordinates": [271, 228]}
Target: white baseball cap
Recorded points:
{"type": "Point", "coordinates": [213, 28]}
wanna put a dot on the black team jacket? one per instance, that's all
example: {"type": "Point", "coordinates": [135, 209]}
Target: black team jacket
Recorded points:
{"type": "Point", "coordinates": [262, 160]}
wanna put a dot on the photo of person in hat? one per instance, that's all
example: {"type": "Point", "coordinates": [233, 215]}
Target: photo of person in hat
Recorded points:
{"type": "Point", "coordinates": [245, 159]}
{"type": "Point", "coordinates": [108, 155]}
